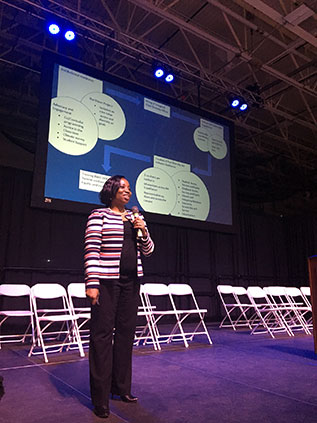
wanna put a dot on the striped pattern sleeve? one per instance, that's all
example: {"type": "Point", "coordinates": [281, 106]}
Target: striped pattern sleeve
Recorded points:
{"type": "Point", "coordinates": [93, 238]}
{"type": "Point", "coordinates": [146, 244]}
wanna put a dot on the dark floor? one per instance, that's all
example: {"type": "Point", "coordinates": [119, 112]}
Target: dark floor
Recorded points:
{"type": "Point", "coordinates": [240, 378]}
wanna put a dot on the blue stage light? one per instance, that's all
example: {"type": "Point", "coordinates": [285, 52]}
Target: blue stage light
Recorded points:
{"type": "Point", "coordinates": [54, 29]}
{"type": "Point", "coordinates": [69, 35]}
{"type": "Point", "coordinates": [235, 102]}
{"type": "Point", "coordinates": [158, 73]}
{"type": "Point", "coordinates": [238, 103]}
{"type": "Point", "coordinates": [161, 71]}
{"type": "Point", "coordinates": [169, 77]}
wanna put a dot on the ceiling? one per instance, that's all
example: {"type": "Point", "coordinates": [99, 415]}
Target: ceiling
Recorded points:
{"type": "Point", "coordinates": [263, 50]}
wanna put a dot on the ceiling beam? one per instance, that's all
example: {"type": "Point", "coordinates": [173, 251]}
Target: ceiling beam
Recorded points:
{"type": "Point", "coordinates": [275, 16]}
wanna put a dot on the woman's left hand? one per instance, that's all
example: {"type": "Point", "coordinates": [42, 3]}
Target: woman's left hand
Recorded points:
{"type": "Point", "coordinates": [139, 223]}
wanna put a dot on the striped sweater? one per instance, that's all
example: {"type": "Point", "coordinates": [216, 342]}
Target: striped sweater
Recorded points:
{"type": "Point", "coordinates": [103, 246]}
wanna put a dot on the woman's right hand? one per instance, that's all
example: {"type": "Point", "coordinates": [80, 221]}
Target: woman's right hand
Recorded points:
{"type": "Point", "coordinates": [93, 295]}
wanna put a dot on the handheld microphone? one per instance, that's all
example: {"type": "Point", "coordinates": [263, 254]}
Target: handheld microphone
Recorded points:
{"type": "Point", "coordinates": [135, 212]}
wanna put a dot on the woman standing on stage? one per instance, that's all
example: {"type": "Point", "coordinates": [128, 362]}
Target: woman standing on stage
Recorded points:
{"type": "Point", "coordinates": [112, 270]}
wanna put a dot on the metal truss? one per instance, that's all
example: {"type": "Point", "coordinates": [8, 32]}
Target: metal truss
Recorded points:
{"type": "Point", "coordinates": [264, 51]}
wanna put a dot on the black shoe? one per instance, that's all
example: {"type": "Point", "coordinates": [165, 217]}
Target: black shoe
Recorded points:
{"type": "Point", "coordinates": [128, 398]}
{"type": "Point", "coordinates": [101, 411]}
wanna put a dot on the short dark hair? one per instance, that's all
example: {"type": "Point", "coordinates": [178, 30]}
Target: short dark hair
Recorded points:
{"type": "Point", "coordinates": [110, 189]}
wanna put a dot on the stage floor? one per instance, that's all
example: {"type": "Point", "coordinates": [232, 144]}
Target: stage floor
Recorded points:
{"type": "Point", "coordinates": [240, 378]}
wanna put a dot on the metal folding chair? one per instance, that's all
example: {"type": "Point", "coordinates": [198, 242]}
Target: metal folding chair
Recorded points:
{"type": "Point", "coordinates": [80, 307]}
{"type": "Point", "coordinates": [270, 319]}
{"type": "Point", "coordinates": [290, 305]}
{"type": "Point", "coordinates": [248, 317]}
{"type": "Point", "coordinates": [145, 332]}
{"type": "Point", "coordinates": [184, 291]}
{"type": "Point", "coordinates": [305, 290]}
{"type": "Point", "coordinates": [57, 310]}
{"type": "Point", "coordinates": [15, 292]}
{"type": "Point", "coordinates": [238, 312]}
{"type": "Point", "coordinates": [301, 311]}
{"type": "Point", "coordinates": [230, 306]}
{"type": "Point", "coordinates": [159, 311]}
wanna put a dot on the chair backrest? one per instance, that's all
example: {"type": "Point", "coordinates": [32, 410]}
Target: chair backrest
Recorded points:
{"type": "Point", "coordinates": [278, 295]}
{"type": "Point", "coordinates": [48, 291]}
{"type": "Point", "coordinates": [305, 290]}
{"type": "Point", "coordinates": [180, 289]}
{"type": "Point", "coordinates": [256, 292]}
{"type": "Point", "coordinates": [15, 298]}
{"type": "Point", "coordinates": [239, 290]}
{"type": "Point", "coordinates": [293, 292]}
{"type": "Point", "coordinates": [275, 291]}
{"type": "Point", "coordinates": [14, 290]}
{"type": "Point", "coordinates": [155, 289]}
{"type": "Point", "coordinates": [77, 289]}
{"type": "Point", "coordinates": [156, 295]}
{"type": "Point", "coordinates": [225, 289]}
{"type": "Point", "coordinates": [183, 289]}
{"type": "Point", "coordinates": [142, 296]}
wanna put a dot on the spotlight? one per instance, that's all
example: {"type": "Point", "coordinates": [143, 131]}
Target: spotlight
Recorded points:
{"type": "Point", "coordinates": [161, 71]}
{"type": "Point", "coordinates": [169, 78]}
{"type": "Point", "coordinates": [158, 72]}
{"type": "Point", "coordinates": [69, 35]}
{"type": "Point", "coordinates": [54, 29]}
{"type": "Point", "coordinates": [235, 102]}
{"type": "Point", "coordinates": [57, 27]}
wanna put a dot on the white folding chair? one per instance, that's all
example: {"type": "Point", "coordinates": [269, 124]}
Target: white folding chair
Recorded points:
{"type": "Point", "coordinates": [281, 302]}
{"type": "Point", "coordinates": [15, 292]}
{"type": "Point", "coordinates": [236, 311]}
{"type": "Point", "coordinates": [301, 311]}
{"type": "Point", "coordinates": [305, 290]}
{"type": "Point", "coordinates": [290, 305]}
{"type": "Point", "coordinates": [145, 332]}
{"type": "Point", "coordinates": [57, 310]}
{"type": "Point", "coordinates": [160, 310]}
{"type": "Point", "coordinates": [306, 294]}
{"type": "Point", "coordinates": [229, 304]}
{"type": "Point", "coordinates": [77, 293]}
{"type": "Point", "coordinates": [248, 317]}
{"type": "Point", "coordinates": [270, 319]}
{"type": "Point", "coordinates": [185, 291]}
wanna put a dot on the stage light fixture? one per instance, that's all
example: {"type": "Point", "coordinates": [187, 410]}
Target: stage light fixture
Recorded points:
{"type": "Point", "coordinates": [69, 35]}
{"type": "Point", "coordinates": [238, 103]}
{"type": "Point", "coordinates": [169, 77]}
{"type": "Point", "coordinates": [159, 72]}
{"type": "Point", "coordinates": [243, 107]}
{"type": "Point", "coordinates": [54, 29]}
{"type": "Point", "coordinates": [163, 72]}
{"type": "Point", "coordinates": [235, 102]}
{"type": "Point", "coordinates": [57, 27]}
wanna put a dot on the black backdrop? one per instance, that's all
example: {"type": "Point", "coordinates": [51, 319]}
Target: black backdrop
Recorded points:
{"type": "Point", "coordinates": [47, 246]}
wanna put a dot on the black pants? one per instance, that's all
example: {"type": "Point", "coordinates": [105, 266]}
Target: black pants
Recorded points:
{"type": "Point", "coordinates": [112, 331]}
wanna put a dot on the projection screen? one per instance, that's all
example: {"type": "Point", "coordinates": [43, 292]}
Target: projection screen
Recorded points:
{"type": "Point", "coordinates": [178, 159]}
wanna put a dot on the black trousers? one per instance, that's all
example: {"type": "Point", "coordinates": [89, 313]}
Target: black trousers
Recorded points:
{"type": "Point", "coordinates": [112, 330]}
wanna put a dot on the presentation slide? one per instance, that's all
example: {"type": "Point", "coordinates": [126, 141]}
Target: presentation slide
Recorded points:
{"type": "Point", "coordinates": [177, 161]}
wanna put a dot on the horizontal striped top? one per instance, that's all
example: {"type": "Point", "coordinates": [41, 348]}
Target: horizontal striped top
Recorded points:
{"type": "Point", "coordinates": [103, 246]}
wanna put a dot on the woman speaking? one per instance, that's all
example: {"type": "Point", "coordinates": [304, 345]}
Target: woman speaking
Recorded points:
{"type": "Point", "coordinates": [114, 240]}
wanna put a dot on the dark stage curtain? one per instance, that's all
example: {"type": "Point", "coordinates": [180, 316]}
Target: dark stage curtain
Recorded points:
{"type": "Point", "coordinates": [47, 246]}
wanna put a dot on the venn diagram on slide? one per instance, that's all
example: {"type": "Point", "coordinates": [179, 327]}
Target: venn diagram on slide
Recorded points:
{"type": "Point", "coordinates": [169, 187]}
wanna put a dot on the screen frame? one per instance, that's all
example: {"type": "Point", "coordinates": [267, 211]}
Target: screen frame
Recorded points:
{"type": "Point", "coordinates": [38, 199]}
